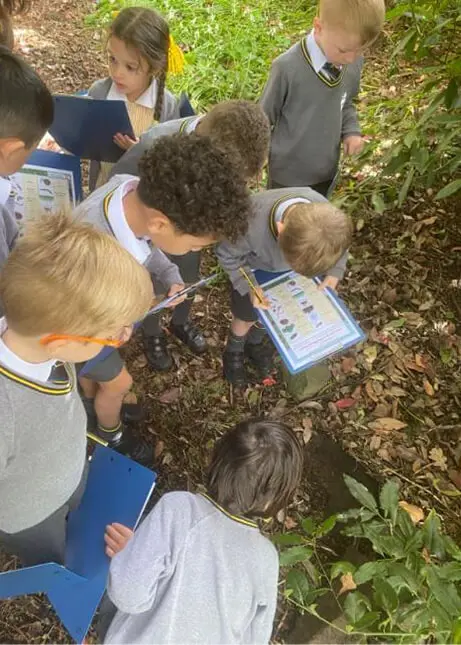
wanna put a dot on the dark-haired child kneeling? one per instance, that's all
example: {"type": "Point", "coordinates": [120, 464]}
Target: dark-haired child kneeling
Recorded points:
{"type": "Point", "coordinates": [199, 570]}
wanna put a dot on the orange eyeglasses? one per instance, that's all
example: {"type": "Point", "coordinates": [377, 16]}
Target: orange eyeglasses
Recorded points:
{"type": "Point", "coordinates": [105, 342]}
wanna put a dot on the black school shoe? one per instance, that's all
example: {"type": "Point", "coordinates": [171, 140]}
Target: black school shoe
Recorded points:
{"type": "Point", "coordinates": [191, 336]}
{"type": "Point", "coordinates": [157, 354]}
{"type": "Point", "coordinates": [130, 413]}
{"type": "Point", "coordinates": [261, 357]}
{"type": "Point", "coordinates": [124, 442]}
{"type": "Point", "coordinates": [234, 371]}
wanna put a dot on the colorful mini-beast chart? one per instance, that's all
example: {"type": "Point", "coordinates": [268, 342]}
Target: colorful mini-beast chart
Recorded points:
{"type": "Point", "coordinates": [47, 183]}
{"type": "Point", "coordinates": [306, 324]}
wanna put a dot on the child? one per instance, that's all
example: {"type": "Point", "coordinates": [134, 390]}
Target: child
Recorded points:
{"type": "Point", "coordinates": [56, 313]}
{"type": "Point", "coordinates": [188, 196]}
{"type": "Point", "coordinates": [140, 51]}
{"type": "Point", "coordinates": [7, 9]}
{"type": "Point", "coordinates": [239, 128]}
{"type": "Point", "coordinates": [291, 229]}
{"type": "Point", "coordinates": [310, 92]}
{"type": "Point", "coordinates": [198, 570]}
{"type": "Point", "coordinates": [26, 111]}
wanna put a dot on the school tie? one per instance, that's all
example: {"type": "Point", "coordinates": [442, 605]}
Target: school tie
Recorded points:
{"type": "Point", "coordinates": [331, 72]}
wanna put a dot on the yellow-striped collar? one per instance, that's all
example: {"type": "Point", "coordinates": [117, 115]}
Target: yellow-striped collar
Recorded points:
{"type": "Point", "coordinates": [237, 518]}
{"type": "Point", "coordinates": [55, 388]}
{"type": "Point", "coordinates": [274, 209]}
{"type": "Point", "coordinates": [323, 78]}
{"type": "Point", "coordinates": [189, 124]}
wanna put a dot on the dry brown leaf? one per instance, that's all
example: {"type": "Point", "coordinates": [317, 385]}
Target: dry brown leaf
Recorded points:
{"type": "Point", "coordinates": [170, 396]}
{"type": "Point", "coordinates": [347, 583]}
{"type": "Point", "coordinates": [387, 424]}
{"type": "Point", "coordinates": [159, 448]}
{"type": "Point", "coordinates": [416, 513]}
{"type": "Point", "coordinates": [455, 477]}
{"type": "Point", "coordinates": [437, 456]}
{"type": "Point", "coordinates": [426, 555]}
{"type": "Point", "coordinates": [370, 353]}
{"type": "Point", "coordinates": [375, 442]}
{"type": "Point", "coordinates": [290, 523]}
{"type": "Point", "coordinates": [428, 388]}
{"type": "Point", "coordinates": [397, 391]}
{"type": "Point", "coordinates": [370, 391]}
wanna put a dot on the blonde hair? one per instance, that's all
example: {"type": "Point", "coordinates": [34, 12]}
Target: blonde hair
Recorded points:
{"type": "Point", "coordinates": [363, 17]}
{"type": "Point", "coordinates": [67, 277]}
{"type": "Point", "coordinates": [314, 237]}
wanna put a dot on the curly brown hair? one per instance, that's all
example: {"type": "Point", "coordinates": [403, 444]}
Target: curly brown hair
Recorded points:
{"type": "Point", "coordinates": [242, 130]}
{"type": "Point", "coordinates": [193, 183]}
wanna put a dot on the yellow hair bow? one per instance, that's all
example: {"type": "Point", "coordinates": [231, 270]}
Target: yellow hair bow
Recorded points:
{"type": "Point", "coordinates": [175, 58]}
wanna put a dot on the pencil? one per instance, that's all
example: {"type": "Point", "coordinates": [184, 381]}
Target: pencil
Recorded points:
{"type": "Point", "coordinates": [252, 285]}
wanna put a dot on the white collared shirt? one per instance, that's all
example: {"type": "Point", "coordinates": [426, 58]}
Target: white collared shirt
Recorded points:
{"type": "Point", "coordinates": [285, 205]}
{"type": "Point", "coordinates": [138, 248]}
{"type": "Point", "coordinates": [147, 98]}
{"type": "Point", "coordinates": [32, 371]}
{"type": "Point", "coordinates": [318, 58]}
{"type": "Point", "coordinates": [5, 190]}
{"type": "Point", "coordinates": [192, 124]}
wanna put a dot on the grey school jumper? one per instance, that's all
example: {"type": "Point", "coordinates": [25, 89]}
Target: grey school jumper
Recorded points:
{"type": "Point", "coordinates": [92, 210]}
{"type": "Point", "coordinates": [128, 163]}
{"type": "Point", "coordinates": [309, 118]}
{"type": "Point", "coordinates": [100, 90]}
{"type": "Point", "coordinates": [42, 447]}
{"type": "Point", "coordinates": [259, 249]}
{"type": "Point", "coordinates": [8, 233]}
{"type": "Point", "coordinates": [193, 575]}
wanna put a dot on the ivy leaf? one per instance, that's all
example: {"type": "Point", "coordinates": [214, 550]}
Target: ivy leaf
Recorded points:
{"type": "Point", "coordinates": [368, 570]}
{"type": "Point", "coordinates": [389, 500]}
{"type": "Point", "coordinates": [367, 621]}
{"type": "Point", "coordinates": [287, 539]}
{"type": "Point", "coordinates": [355, 606]}
{"type": "Point", "coordinates": [361, 493]}
{"type": "Point", "coordinates": [295, 554]}
{"type": "Point", "coordinates": [341, 567]}
{"type": "Point", "coordinates": [444, 593]}
{"type": "Point", "coordinates": [298, 584]}
{"type": "Point", "coordinates": [432, 535]}
{"type": "Point", "coordinates": [326, 526]}
{"type": "Point", "coordinates": [385, 596]}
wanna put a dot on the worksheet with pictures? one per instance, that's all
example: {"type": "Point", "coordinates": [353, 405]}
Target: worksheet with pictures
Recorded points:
{"type": "Point", "coordinates": [37, 189]}
{"type": "Point", "coordinates": [306, 324]}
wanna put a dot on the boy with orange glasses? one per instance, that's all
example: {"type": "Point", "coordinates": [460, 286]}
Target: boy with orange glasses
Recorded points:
{"type": "Point", "coordinates": [56, 314]}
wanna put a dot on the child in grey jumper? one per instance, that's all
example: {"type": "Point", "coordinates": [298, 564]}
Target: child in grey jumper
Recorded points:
{"type": "Point", "coordinates": [291, 229]}
{"type": "Point", "coordinates": [310, 92]}
{"type": "Point", "coordinates": [55, 310]}
{"type": "Point", "coordinates": [198, 570]}
{"type": "Point", "coordinates": [241, 129]}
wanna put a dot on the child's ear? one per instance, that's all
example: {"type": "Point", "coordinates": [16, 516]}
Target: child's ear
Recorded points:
{"type": "Point", "coordinates": [280, 227]}
{"type": "Point", "coordinates": [317, 26]}
{"type": "Point", "coordinates": [158, 222]}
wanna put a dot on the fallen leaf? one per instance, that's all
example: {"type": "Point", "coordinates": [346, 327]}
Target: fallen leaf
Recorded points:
{"type": "Point", "coordinates": [370, 391]}
{"type": "Point", "coordinates": [311, 405]}
{"type": "Point", "coordinates": [290, 523]}
{"type": "Point", "coordinates": [428, 388]}
{"type": "Point", "coordinates": [437, 456]}
{"type": "Point", "coordinates": [170, 396]}
{"type": "Point", "coordinates": [159, 448]}
{"type": "Point", "coordinates": [347, 583]}
{"type": "Point", "coordinates": [371, 353]}
{"type": "Point", "coordinates": [167, 458]}
{"type": "Point", "coordinates": [384, 454]}
{"type": "Point", "coordinates": [416, 513]}
{"type": "Point", "coordinates": [347, 364]}
{"type": "Point", "coordinates": [395, 390]}
{"type": "Point", "coordinates": [387, 424]}
{"type": "Point", "coordinates": [455, 477]}
{"type": "Point", "coordinates": [344, 404]}
{"type": "Point", "coordinates": [375, 442]}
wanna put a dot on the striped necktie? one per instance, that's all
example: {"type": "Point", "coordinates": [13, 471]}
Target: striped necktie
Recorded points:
{"type": "Point", "coordinates": [331, 72]}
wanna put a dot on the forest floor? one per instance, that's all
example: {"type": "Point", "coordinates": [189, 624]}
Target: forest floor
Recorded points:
{"type": "Point", "coordinates": [393, 403]}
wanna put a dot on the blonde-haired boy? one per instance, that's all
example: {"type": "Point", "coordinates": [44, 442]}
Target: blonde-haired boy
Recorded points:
{"type": "Point", "coordinates": [310, 92]}
{"type": "Point", "coordinates": [60, 289]}
{"type": "Point", "coordinates": [291, 229]}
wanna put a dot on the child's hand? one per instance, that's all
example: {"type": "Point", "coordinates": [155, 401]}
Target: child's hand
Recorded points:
{"type": "Point", "coordinates": [259, 300]}
{"type": "Point", "coordinates": [124, 141]}
{"type": "Point", "coordinates": [116, 538]}
{"type": "Point", "coordinates": [353, 145]}
{"type": "Point", "coordinates": [49, 143]}
{"type": "Point", "coordinates": [174, 289]}
{"type": "Point", "coordinates": [329, 281]}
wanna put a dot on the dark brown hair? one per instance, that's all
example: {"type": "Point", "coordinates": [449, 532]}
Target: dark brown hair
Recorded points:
{"type": "Point", "coordinates": [146, 31]}
{"type": "Point", "coordinates": [242, 130]}
{"type": "Point", "coordinates": [26, 106]}
{"type": "Point", "coordinates": [255, 468]}
{"type": "Point", "coordinates": [193, 183]}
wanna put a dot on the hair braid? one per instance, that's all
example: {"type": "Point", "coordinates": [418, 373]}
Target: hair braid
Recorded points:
{"type": "Point", "coordinates": [161, 82]}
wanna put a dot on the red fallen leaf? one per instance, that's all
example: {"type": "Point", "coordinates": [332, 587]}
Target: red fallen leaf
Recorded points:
{"type": "Point", "coordinates": [347, 364]}
{"type": "Point", "coordinates": [170, 396]}
{"type": "Point", "coordinates": [268, 381]}
{"type": "Point", "coordinates": [344, 404]}
{"type": "Point", "coordinates": [290, 523]}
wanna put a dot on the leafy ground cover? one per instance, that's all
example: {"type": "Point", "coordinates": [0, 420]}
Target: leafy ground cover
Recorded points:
{"type": "Point", "coordinates": [394, 403]}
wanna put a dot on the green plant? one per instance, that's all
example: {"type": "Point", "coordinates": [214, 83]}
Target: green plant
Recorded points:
{"type": "Point", "coordinates": [410, 593]}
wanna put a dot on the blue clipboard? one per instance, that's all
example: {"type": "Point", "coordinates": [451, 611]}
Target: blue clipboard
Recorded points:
{"type": "Point", "coordinates": [86, 127]}
{"type": "Point", "coordinates": [328, 334]}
